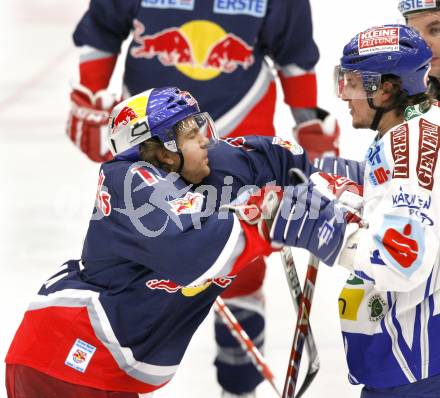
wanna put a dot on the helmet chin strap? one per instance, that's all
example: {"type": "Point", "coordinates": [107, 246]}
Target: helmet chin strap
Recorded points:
{"type": "Point", "coordinates": [380, 111]}
{"type": "Point", "coordinates": [377, 115]}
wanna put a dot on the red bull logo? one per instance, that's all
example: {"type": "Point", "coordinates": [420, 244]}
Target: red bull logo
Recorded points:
{"type": "Point", "coordinates": [191, 203]}
{"type": "Point", "coordinates": [230, 53]}
{"type": "Point", "coordinates": [182, 47]}
{"type": "Point", "coordinates": [187, 291]}
{"type": "Point", "coordinates": [125, 116]}
{"type": "Point", "coordinates": [291, 146]}
{"type": "Point", "coordinates": [79, 356]}
{"type": "Point", "coordinates": [163, 284]}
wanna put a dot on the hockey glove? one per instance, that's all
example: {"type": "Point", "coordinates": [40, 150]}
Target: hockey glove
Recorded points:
{"type": "Point", "coordinates": [319, 136]}
{"type": "Point", "coordinates": [258, 208]}
{"type": "Point", "coordinates": [308, 219]}
{"type": "Point", "coordinates": [348, 193]}
{"type": "Point", "coordinates": [87, 124]}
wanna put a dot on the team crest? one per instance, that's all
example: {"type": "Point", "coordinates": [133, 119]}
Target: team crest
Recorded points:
{"type": "Point", "coordinates": [191, 203]}
{"type": "Point", "coordinates": [80, 355]}
{"type": "Point", "coordinates": [293, 147]}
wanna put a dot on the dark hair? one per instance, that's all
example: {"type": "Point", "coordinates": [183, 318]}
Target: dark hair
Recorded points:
{"type": "Point", "coordinates": [148, 153]}
{"type": "Point", "coordinates": [400, 100]}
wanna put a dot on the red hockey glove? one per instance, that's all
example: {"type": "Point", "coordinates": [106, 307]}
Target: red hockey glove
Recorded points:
{"type": "Point", "coordinates": [259, 208]}
{"type": "Point", "coordinates": [256, 213]}
{"type": "Point", "coordinates": [319, 136]}
{"type": "Point", "coordinates": [87, 124]}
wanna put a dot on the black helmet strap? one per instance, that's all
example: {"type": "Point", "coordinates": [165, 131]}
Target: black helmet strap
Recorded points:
{"type": "Point", "coordinates": [380, 111]}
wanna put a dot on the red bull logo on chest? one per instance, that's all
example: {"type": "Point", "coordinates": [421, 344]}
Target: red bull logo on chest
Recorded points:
{"type": "Point", "coordinates": [182, 47]}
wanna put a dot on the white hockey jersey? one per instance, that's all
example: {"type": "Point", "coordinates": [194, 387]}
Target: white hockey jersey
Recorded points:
{"type": "Point", "coordinates": [390, 306]}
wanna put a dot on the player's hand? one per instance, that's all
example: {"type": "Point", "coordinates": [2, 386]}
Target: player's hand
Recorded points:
{"type": "Point", "coordinates": [308, 219]}
{"type": "Point", "coordinates": [87, 124]}
{"type": "Point", "coordinates": [259, 208]}
{"type": "Point", "coordinates": [319, 136]}
{"type": "Point", "coordinates": [348, 192]}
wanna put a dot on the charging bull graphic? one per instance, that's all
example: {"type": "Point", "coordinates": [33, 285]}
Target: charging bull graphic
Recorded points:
{"type": "Point", "coordinates": [218, 52]}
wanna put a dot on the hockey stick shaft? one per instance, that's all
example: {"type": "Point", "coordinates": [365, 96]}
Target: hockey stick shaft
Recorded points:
{"type": "Point", "coordinates": [301, 329]}
{"type": "Point", "coordinates": [245, 342]}
{"type": "Point", "coordinates": [295, 292]}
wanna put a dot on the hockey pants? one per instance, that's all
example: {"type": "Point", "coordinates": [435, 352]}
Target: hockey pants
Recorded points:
{"type": "Point", "coordinates": [25, 382]}
{"type": "Point", "coordinates": [426, 388]}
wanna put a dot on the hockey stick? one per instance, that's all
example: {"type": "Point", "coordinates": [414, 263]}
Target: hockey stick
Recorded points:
{"type": "Point", "coordinates": [245, 341]}
{"type": "Point", "coordinates": [295, 292]}
{"type": "Point", "coordinates": [301, 329]}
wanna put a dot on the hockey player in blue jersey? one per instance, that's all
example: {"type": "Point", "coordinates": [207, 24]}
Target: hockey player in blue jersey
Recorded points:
{"type": "Point", "coordinates": [217, 50]}
{"type": "Point", "coordinates": [157, 253]}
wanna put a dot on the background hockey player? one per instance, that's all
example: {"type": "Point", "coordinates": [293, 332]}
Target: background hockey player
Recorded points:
{"type": "Point", "coordinates": [424, 16]}
{"type": "Point", "coordinates": [120, 318]}
{"type": "Point", "coordinates": [389, 306]}
{"type": "Point", "coordinates": [215, 49]}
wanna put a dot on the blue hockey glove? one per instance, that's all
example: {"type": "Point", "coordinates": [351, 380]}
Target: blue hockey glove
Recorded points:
{"type": "Point", "coordinates": [308, 219]}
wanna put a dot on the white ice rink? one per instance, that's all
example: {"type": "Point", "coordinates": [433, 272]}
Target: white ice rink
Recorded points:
{"type": "Point", "coordinates": [47, 186]}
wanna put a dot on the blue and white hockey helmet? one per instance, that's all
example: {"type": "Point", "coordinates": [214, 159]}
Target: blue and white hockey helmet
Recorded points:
{"type": "Point", "coordinates": [159, 112]}
{"type": "Point", "coordinates": [383, 50]}
{"type": "Point", "coordinates": [407, 7]}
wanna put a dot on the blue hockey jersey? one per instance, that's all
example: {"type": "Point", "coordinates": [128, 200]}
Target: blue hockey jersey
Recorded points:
{"type": "Point", "coordinates": [156, 255]}
{"type": "Point", "coordinates": [215, 49]}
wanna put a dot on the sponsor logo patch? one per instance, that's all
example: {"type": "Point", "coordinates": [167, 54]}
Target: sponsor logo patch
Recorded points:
{"type": "Point", "coordinates": [428, 150]}
{"type": "Point", "coordinates": [349, 302]}
{"type": "Point", "coordinates": [255, 8]}
{"type": "Point", "coordinates": [191, 203]}
{"type": "Point", "coordinates": [293, 147]}
{"type": "Point", "coordinates": [401, 241]}
{"type": "Point", "coordinates": [415, 5]}
{"type": "Point", "coordinates": [378, 40]}
{"type": "Point", "coordinates": [400, 151]}
{"type": "Point", "coordinates": [377, 308]}
{"type": "Point", "coordinates": [176, 4]}
{"type": "Point", "coordinates": [80, 355]}
{"type": "Point", "coordinates": [380, 170]}
{"type": "Point", "coordinates": [187, 291]}
{"type": "Point", "coordinates": [416, 204]}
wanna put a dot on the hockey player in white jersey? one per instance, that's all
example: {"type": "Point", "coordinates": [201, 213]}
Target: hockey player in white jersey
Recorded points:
{"type": "Point", "coordinates": [390, 306]}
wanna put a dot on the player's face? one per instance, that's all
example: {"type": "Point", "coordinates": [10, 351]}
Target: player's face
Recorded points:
{"type": "Point", "coordinates": [194, 147]}
{"type": "Point", "coordinates": [354, 94]}
{"type": "Point", "coordinates": [428, 25]}
{"type": "Point", "coordinates": [361, 113]}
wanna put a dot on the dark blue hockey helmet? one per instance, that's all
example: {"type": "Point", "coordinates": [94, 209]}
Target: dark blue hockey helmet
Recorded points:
{"type": "Point", "coordinates": [389, 49]}
{"type": "Point", "coordinates": [159, 112]}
